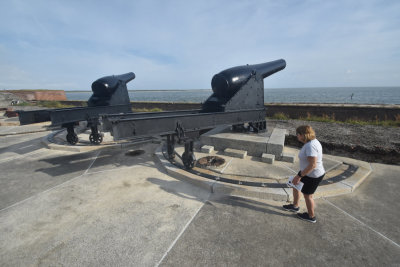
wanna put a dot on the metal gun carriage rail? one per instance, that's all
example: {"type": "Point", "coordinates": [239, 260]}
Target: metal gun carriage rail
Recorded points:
{"type": "Point", "coordinates": [237, 99]}
{"type": "Point", "coordinates": [110, 95]}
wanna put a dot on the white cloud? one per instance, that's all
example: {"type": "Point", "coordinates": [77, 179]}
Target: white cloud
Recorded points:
{"type": "Point", "coordinates": [182, 44]}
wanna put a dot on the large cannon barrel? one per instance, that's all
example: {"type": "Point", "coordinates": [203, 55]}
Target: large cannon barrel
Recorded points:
{"type": "Point", "coordinates": [227, 82]}
{"type": "Point", "coordinates": [104, 88]}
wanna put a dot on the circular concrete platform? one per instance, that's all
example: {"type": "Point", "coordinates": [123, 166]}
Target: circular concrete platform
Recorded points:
{"type": "Point", "coordinates": [250, 177]}
{"type": "Point", "coordinates": [246, 177]}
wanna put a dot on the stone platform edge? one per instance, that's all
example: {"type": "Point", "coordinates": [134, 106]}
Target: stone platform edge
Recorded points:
{"type": "Point", "coordinates": [277, 194]}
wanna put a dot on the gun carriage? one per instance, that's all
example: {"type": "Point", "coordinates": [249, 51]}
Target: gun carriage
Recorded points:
{"type": "Point", "coordinates": [237, 100]}
{"type": "Point", "coordinates": [110, 96]}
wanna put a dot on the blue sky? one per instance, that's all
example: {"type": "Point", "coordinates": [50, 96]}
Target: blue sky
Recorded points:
{"type": "Point", "coordinates": [182, 44]}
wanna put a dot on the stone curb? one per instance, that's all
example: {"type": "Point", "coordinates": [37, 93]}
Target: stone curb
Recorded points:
{"type": "Point", "coordinates": [216, 187]}
{"type": "Point", "coordinates": [278, 194]}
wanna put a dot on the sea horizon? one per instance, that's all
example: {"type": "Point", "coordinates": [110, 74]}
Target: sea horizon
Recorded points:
{"type": "Point", "coordinates": [336, 95]}
{"type": "Point", "coordinates": [209, 89]}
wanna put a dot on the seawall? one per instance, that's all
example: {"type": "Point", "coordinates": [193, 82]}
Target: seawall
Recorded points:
{"type": "Point", "coordinates": [340, 112]}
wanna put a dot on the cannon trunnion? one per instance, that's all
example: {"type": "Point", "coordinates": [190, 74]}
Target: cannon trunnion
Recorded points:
{"type": "Point", "coordinates": [237, 100]}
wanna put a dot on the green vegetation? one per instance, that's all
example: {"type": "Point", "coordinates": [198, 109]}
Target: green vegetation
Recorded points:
{"type": "Point", "coordinates": [146, 110]}
{"type": "Point", "coordinates": [52, 104]}
{"type": "Point", "coordinates": [331, 119]}
{"type": "Point", "coordinates": [21, 104]}
{"type": "Point", "coordinates": [323, 118]}
{"type": "Point", "coordinates": [46, 104]}
{"type": "Point", "coordinates": [280, 116]}
{"type": "Point", "coordinates": [392, 123]}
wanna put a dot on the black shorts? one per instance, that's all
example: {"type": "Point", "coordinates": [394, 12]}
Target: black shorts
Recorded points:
{"type": "Point", "coordinates": [310, 184]}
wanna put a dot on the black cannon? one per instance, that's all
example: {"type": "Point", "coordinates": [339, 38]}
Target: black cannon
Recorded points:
{"type": "Point", "coordinates": [240, 87]}
{"type": "Point", "coordinates": [237, 100]}
{"type": "Point", "coordinates": [110, 96]}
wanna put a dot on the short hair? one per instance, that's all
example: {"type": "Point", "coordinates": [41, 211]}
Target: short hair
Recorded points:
{"type": "Point", "coordinates": [307, 131]}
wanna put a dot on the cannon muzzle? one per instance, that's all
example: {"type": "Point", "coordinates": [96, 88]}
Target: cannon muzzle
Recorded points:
{"type": "Point", "coordinates": [229, 81]}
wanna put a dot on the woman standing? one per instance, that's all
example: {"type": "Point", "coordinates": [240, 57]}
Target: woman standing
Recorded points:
{"type": "Point", "coordinates": [311, 172]}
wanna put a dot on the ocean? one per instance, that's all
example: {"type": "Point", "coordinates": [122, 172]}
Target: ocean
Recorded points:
{"type": "Point", "coordinates": [339, 95]}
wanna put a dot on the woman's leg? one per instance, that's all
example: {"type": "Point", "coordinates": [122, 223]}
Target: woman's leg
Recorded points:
{"type": "Point", "coordinates": [296, 197]}
{"type": "Point", "coordinates": [310, 204]}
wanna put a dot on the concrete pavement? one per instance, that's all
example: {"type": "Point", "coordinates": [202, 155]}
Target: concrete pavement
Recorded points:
{"type": "Point", "coordinates": [358, 229]}
{"type": "Point", "coordinates": [105, 207]}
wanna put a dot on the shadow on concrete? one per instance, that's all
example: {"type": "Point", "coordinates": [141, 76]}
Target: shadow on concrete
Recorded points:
{"type": "Point", "coordinates": [181, 189]}
{"type": "Point", "coordinates": [93, 161]}
{"type": "Point", "coordinates": [24, 147]}
{"type": "Point", "coordinates": [253, 205]}
{"type": "Point", "coordinates": [62, 165]}
{"type": "Point", "coordinates": [178, 188]}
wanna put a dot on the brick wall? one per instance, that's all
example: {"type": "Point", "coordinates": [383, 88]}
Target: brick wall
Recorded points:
{"type": "Point", "coordinates": [42, 95]}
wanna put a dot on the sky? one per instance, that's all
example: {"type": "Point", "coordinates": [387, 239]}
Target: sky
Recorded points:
{"type": "Point", "coordinates": [173, 44]}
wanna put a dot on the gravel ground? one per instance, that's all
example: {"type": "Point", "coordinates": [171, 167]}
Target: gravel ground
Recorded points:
{"type": "Point", "coordinates": [369, 143]}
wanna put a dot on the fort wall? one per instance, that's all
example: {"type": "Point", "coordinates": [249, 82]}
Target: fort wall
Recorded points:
{"type": "Point", "coordinates": [39, 95]}
{"type": "Point", "coordinates": [339, 112]}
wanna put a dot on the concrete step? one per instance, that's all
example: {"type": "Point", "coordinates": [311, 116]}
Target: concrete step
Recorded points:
{"type": "Point", "coordinates": [276, 142]}
{"type": "Point", "coordinates": [271, 142]}
{"type": "Point", "coordinates": [222, 138]}
{"type": "Point", "coordinates": [236, 153]}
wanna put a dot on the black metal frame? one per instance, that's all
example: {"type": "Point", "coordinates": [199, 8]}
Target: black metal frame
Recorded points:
{"type": "Point", "coordinates": [110, 96]}
{"type": "Point", "coordinates": [178, 124]}
{"type": "Point", "coordinates": [237, 99]}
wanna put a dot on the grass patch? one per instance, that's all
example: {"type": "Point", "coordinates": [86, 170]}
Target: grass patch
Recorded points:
{"type": "Point", "coordinates": [323, 118]}
{"type": "Point", "coordinates": [331, 119]}
{"type": "Point", "coordinates": [52, 104]}
{"type": "Point", "coordinates": [146, 110]}
{"type": "Point", "coordinates": [23, 104]}
{"type": "Point", "coordinates": [390, 123]}
{"type": "Point", "coordinates": [280, 116]}
{"type": "Point", "coordinates": [45, 104]}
